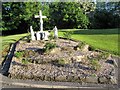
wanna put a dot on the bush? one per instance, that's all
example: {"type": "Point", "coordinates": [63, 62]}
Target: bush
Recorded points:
{"type": "Point", "coordinates": [24, 61]}
{"type": "Point", "coordinates": [19, 54]}
{"type": "Point", "coordinates": [48, 46]}
{"type": "Point", "coordinates": [51, 37]}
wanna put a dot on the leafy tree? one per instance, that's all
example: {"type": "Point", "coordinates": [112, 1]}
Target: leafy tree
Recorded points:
{"type": "Point", "coordinates": [106, 16]}
{"type": "Point", "coordinates": [18, 16]}
{"type": "Point", "coordinates": [68, 15]}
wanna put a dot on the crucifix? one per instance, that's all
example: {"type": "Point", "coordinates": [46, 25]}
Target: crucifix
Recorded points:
{"type": "Point", "coordinates": [41, 21]}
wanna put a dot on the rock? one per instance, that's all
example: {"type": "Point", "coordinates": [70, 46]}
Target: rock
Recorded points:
{"type": "Point", "coordinates": [76, 48]}
{"type": "Point", "coordinates": [73, 70]}
{"type": "Point", "coordinates": [70, 78]}
{"type": "Point", "coordinates": [55, 50]}
{"type": "Point", "coordinates": [94, 54]}
{"type": "Point", "coordinates": [113, 80]}
{"type": "Point", "coordinates": [92, 79]}
{"type": "Point", "coordinates": [115, 62]}
{"type": "Point", "coordinates": [85, 48]}
{"type": "Point", "coordinates": [110, 61]}
{"type": "Point", "coordinates": [78, 58]}
{"type": "Point", "coordinates": [60, 78]}
{"type": "Point", "coordinates": [103, 80]}
{"type": "Point", "coordinates": [77, 78]}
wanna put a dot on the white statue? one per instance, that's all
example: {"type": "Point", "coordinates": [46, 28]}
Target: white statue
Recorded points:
{"type": "Point", "coordinates": [32, 33]}
{"type": "Point", "coordinates": [46, 35]}
{"type": "Point", "coordinates": [55, 32]}
{"type": "Point", "coordinates": [41, 35]}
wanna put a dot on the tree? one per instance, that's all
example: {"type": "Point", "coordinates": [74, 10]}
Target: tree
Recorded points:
{"type": "Point", "coordinates": [106, 17]}
{"type": "Point", "coordinates": [68, 15]}
{"type": "Point", "coordinates": [18, 16]}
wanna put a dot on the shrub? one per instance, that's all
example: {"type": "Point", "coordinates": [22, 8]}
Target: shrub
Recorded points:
{"type": "Point", "coordinates": [19, 54]}
{"type": "Point", "coordinates": [51, 37]}
{"type": "Point", "coordinates": [24, 61]}
{"type": "Point", "coordinates": [48, 46]}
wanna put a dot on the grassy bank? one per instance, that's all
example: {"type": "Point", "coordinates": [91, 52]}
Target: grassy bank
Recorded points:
{"type": "Point", "coordinates": [6, 41]}
{"type": "Point", "coordinates": [105, 39]}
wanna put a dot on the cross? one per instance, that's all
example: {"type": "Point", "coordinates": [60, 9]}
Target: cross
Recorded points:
{"type": "Point", "coordinates": [41, 21]}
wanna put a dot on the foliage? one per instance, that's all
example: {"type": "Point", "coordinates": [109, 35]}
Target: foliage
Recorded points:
{"type": "Point", "coordinates": [19, 54]}
{"type": "Point", "coordinates": [48, 46]}
{"type": "Point", "coordinates": [51, 37]}
{"type": "Point", "coordinates": [24, 61]}
{"type": "Point", "coordinates": [106, 16]}
{"type": "Point", "coordinates": [67, 15]}
{"type": "Point", "coordinates": [105, 19]}
{"type": "Point", "coordinates": [18, 16]}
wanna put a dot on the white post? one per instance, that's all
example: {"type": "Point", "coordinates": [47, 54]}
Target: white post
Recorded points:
{"type": "Point", "coordinates": [32, 33]}
{"type": "Point", "coordinates": [55, 32]}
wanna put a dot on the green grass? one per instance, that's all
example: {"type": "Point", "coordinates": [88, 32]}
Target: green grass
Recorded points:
{"type": "Point", "coordinates": [105, 39]}
{"type": "Point", "coordinates": [7, 40]}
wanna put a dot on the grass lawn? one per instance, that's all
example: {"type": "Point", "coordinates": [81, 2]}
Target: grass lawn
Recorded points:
{"type": "Point", "coordinates": [105, 39]}
{"type": "Point", "coordinates": [5, 42]}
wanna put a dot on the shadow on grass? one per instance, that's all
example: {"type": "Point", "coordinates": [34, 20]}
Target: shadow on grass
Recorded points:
{"type": "Point", "coordinates": [95, 31]}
